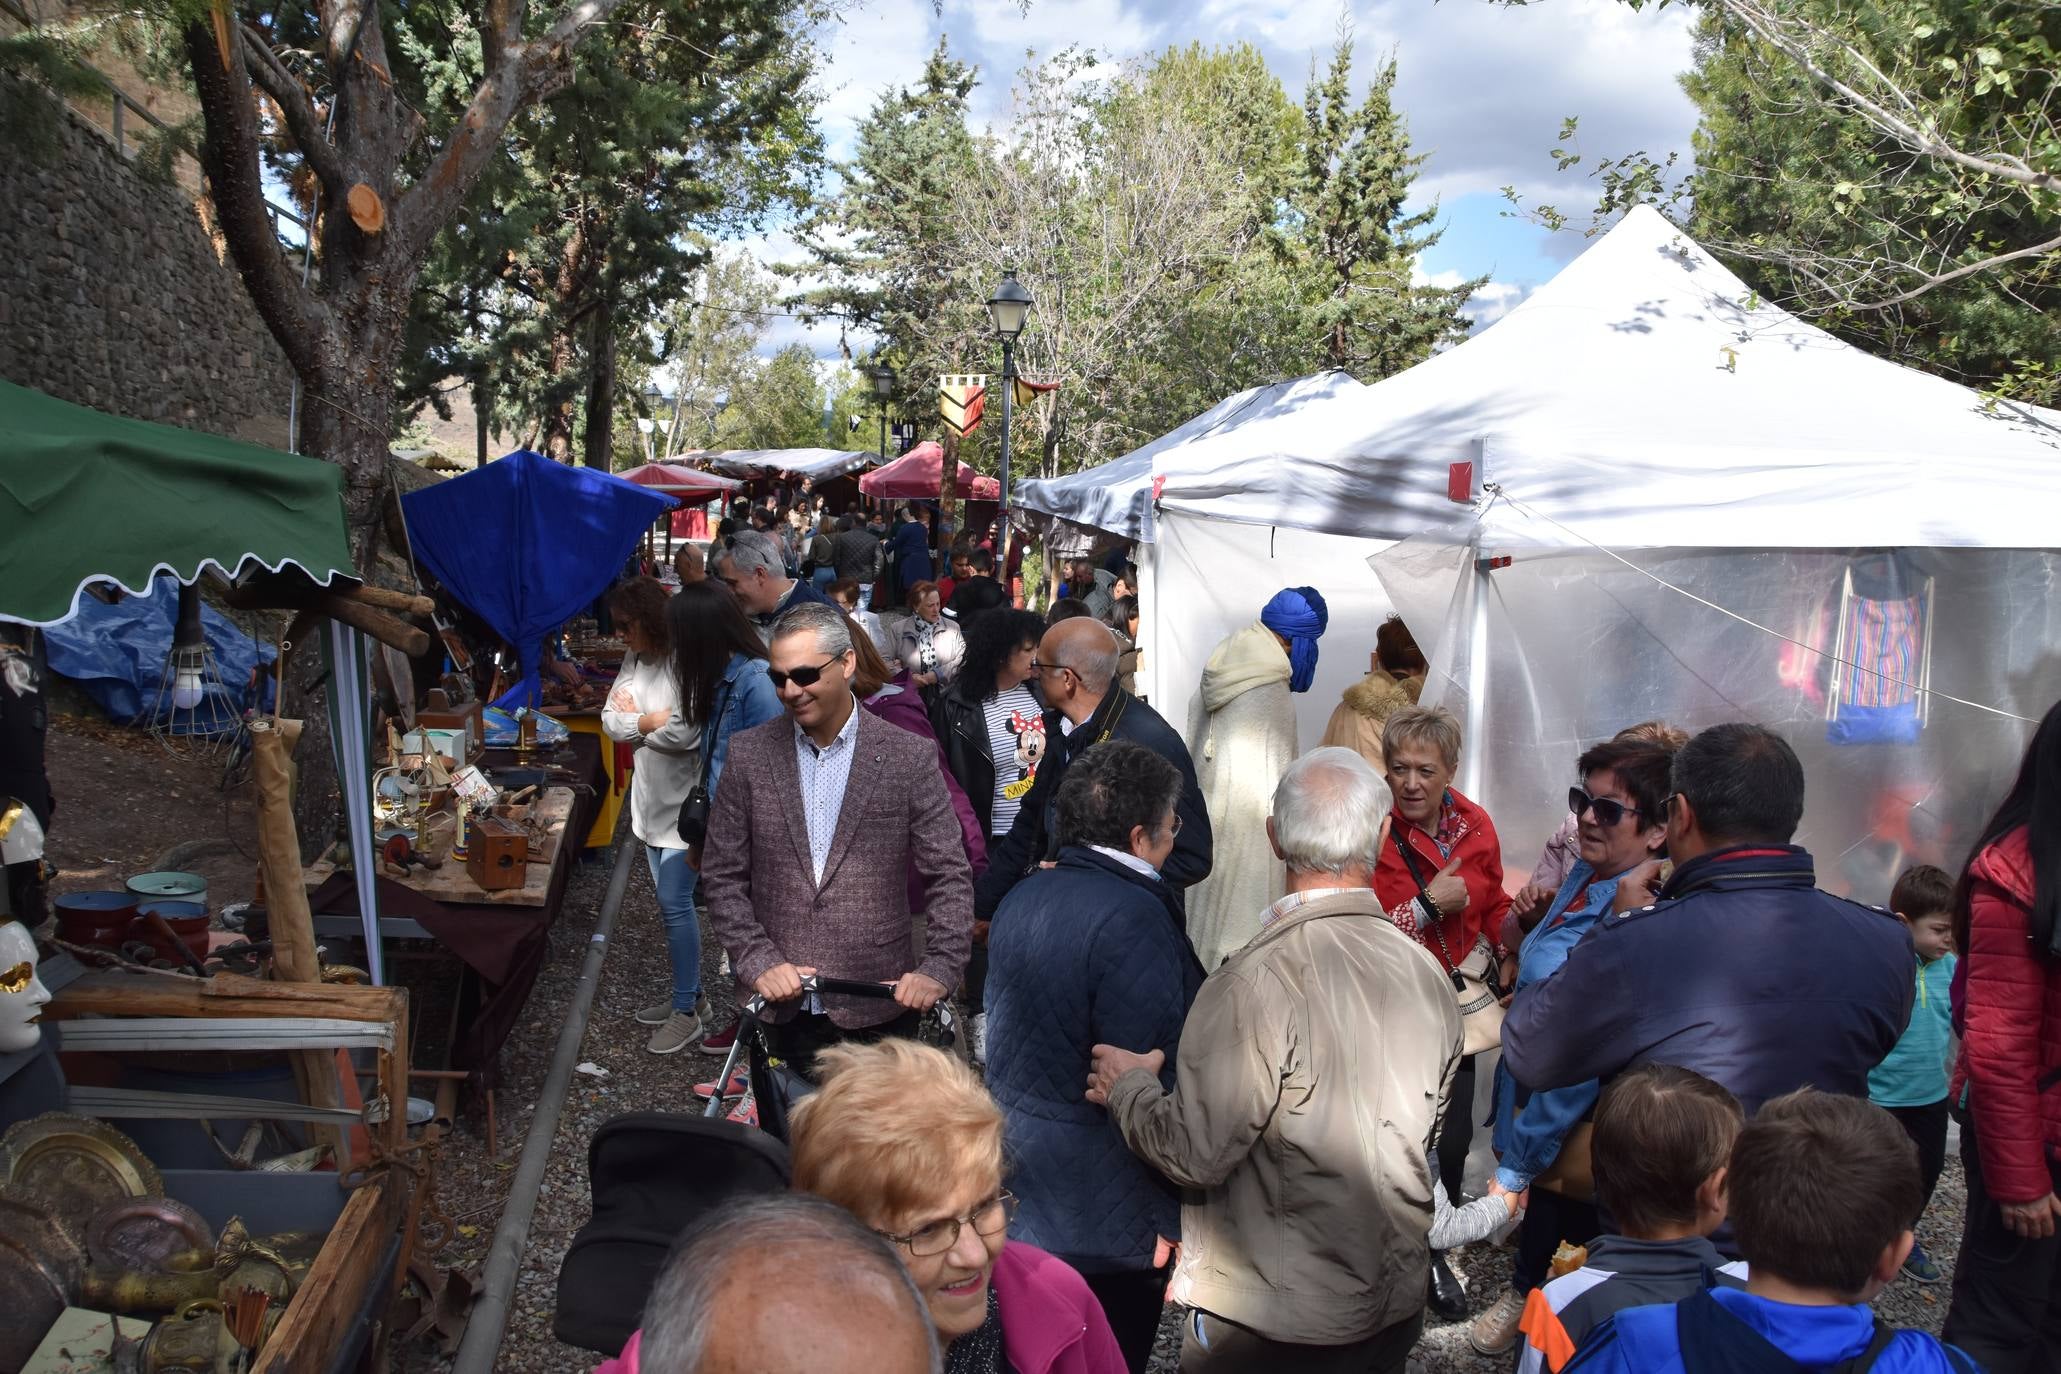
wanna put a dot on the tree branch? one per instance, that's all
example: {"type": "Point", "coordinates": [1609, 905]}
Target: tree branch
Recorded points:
{"type": "Point", "coordinates": [295, 107]}
{"type": "Point", "coordinates": [523, 74]}
{"type": "Point", "coordinates": [229, 157]}
{"type": "Point", "coordinates": [1769, 27]}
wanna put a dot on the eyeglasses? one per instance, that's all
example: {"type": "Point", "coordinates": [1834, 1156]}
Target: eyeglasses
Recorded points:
{"type": "Point", "coordinates": [1608, 812]}
{"type": "Point", "coordinates": [18, 978]}
{"type": "Point", "coordinates": [1038, 667]}
{"type": "Point", "coordinates": [804, 676]}
{"type": "Point", "coordinates": [991, 1218]}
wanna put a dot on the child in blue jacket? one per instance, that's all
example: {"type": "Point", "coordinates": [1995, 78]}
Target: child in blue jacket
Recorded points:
{"type": "Point", "coordinates": [1911, 1084]}
{"type": "Point", "coordinates": [1823, 1190]}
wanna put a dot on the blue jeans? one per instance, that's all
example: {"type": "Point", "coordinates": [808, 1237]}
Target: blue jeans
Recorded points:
{"type": "Point", "coordinates": [675, 878]}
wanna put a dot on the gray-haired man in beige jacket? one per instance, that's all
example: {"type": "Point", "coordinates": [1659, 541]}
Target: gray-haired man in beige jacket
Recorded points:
{"type": "Point", "coordinates": [1312, 1075]}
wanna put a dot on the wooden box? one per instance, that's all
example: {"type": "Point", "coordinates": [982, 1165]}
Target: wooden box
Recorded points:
{"type": "Point", "coordinates": [497, 854]}
{"type": "Point", "coordinates": [437, 714]}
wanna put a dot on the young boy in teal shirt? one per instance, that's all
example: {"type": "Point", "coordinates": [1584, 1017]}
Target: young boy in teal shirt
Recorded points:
{"type": "Point", "coordinates": [1911, 1084]}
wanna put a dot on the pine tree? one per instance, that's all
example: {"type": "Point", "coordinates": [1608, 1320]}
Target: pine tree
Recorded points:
{"type": "Point", "coordinates": [1371, 319]}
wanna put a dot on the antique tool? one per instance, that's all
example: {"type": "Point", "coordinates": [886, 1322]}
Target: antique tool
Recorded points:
{"type": "Point", "coordinates": [399, 853]}
{"type": "Point", "coordinates": [187, 1342]}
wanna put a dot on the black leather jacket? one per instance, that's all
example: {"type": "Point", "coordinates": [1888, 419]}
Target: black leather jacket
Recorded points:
{"type": "Point", "coordinates": [960, 723]}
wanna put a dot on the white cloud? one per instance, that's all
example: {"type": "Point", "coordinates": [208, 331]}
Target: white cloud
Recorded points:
{"type": "Point", "coordinates": [1493, 300]}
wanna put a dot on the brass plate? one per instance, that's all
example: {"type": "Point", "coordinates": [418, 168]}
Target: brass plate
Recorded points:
{"type": "Point", "coordinates": [72, 1166]}
{"type": "Point", "coordinates": [142, 1235]}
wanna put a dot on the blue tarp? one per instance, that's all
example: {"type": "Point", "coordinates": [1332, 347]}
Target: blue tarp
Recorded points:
{"type": "Point", "coordinates": [117, 653]}
{"type": "Point", "coordinates": [528, 544]}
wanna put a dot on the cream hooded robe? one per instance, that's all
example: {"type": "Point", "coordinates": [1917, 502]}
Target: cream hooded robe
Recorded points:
{"type": "Point", "coordinates": [1242, 736]}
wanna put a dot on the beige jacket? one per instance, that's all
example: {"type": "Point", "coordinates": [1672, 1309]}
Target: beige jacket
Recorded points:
{"type": "Point", "coordinates": [1312, 1075]}
{"type": "Point", "coordinates": [1356, 722]}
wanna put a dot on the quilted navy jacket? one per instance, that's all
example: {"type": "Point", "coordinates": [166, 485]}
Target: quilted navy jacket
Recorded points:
{"type": "Point", "coordinates": [1083, 953]}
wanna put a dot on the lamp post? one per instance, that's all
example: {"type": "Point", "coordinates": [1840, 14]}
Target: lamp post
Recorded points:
{"type": "Point", "coordinates": [883, 379]}
{"type": "Point", "coordinates": [648, 423]}
{"type": "Point", "coordinates": [1009, 308]}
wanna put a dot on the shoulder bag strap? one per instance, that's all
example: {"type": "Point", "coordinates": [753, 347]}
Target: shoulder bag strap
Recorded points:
{"type": "Point", "coordinates": [1861, 1363]}
{"type": "Point", "coordinates": [708, 732]}
{"type": "Point", "coordinates": [1437, 922]}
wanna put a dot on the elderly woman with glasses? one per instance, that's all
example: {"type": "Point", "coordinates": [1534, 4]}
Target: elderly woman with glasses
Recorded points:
{"type": "Point", "coordinates": [1621, 822]}
{"type": "Point", "coordinates": [904, 1137]}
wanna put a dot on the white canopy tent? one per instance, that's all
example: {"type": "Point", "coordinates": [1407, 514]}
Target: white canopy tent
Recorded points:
{"type": "Point", "coordinates": [1688, 481]}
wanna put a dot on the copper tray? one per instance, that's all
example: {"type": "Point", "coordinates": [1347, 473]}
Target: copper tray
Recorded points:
{"type": "Point", "coordinates": [72, 1166]}
{"type": "Point", "coordinates": [144, 1234]}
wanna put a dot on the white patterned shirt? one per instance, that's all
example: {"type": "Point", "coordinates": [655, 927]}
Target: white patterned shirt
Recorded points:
{"type": "Point", "coordinates": [1295, 901]}
{"type": "Point", "coordinates": [824, 773]}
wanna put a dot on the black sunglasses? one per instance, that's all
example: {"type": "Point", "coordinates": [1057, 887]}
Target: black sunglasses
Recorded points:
{"type": "Point", "coordinates": [804, 676]}
{"type": "Point", "coordinates": [1608, 812]}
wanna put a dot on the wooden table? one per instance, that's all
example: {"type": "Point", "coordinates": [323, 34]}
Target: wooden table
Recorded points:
{"type": "Point", "coordinates": [452, 883]}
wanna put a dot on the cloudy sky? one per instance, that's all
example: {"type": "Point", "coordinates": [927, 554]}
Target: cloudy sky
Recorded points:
{"type": "Point", "coordinates": [1485, 88]}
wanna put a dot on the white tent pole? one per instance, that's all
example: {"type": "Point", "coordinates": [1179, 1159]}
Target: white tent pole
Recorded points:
{"type": "Point", "coordinates": [1147, 558]}
{"type": "Point", "coordinates": [1474, 750]}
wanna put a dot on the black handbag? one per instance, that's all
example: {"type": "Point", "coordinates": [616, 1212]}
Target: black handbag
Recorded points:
{"type": "Point", "coordinates": [693, 822]}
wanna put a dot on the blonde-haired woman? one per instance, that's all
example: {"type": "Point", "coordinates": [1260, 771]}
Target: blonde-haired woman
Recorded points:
{"type": "Point", "coordinates": [905, 1137]}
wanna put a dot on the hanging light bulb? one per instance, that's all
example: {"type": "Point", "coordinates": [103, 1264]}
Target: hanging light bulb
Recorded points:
{"type": "Point", "coordinates": [189, 652]}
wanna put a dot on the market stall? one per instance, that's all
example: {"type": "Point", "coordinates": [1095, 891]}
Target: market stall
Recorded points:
{"type": "Point", "coordinates": [1646, 492]}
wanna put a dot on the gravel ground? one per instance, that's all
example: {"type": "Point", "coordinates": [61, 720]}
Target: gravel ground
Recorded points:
{"type": "Point", "coordinates": [472, 1189]}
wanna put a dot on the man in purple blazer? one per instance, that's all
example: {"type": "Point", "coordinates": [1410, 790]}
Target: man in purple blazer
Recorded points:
{"type": "Point", "coordinates": [809, 843]}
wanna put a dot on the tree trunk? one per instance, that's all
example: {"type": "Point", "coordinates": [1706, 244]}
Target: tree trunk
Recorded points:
{"type": "Point", "coordinates": [601, 359]}
{"type": "Point", "coordinates": [948, 488]}
{"type": "Point", "coordinates": [482, 410]}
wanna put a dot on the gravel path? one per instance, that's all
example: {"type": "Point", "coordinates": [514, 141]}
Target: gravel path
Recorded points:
{"type": "Point", "coordinates": [472, 1189]}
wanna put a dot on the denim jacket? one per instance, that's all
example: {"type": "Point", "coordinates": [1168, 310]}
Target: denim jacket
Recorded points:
{"type": "Point", "coordinates": [1528, 1135]}
{"type": "Point", "coordinates": [746, 698]}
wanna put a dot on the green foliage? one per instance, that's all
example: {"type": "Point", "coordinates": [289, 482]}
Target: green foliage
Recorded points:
{"type": "Point", "coordinates": [1186, 233]}
{"type": "Point", "coordinates": [778, 405]}
{"type": "Point", "coordinates": [1357, 172]}
{"type": "Point", "coordinates": [1890, 169]}
{"type": "Point", "coordinates": [597, 217]}
{"type": "Point", "coordinates": [1822, 212]}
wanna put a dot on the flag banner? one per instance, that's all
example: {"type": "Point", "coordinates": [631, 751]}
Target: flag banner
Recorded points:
{"type": "Point", "coordinates": [1027, 390]}
{"type": "Point", "coordinates": [960, 402]}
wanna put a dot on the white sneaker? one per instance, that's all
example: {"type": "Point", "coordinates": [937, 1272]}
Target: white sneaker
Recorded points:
{"type": "Point", "coordinates": [978, 1037]}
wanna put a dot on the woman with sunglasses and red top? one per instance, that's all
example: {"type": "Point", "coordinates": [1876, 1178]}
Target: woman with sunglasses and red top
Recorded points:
{"type": "Point", "coordinates": [1452, 847]}
{"type": "Point", "coordinates": [1620, 814]}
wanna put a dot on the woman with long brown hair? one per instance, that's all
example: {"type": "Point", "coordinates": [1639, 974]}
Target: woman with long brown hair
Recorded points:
{"type": "Point", "coordinates": [695, 674]}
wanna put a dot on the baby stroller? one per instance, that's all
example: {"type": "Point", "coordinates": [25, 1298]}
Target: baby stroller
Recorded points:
{"type": "Point", "coordinates": [776, 1086]}
{"type": "Point", "coordinates": [651, 1174]}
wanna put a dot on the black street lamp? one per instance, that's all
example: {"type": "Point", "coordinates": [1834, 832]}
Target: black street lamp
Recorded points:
{"type": "Point", "coordinates": [1010, 309]}
{"type": "Point", "coordinates": [883, 378]}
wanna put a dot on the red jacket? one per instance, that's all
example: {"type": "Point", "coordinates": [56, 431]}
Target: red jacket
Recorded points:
{"type": "Point", "coordinates": [1470, 837]}
{"type": "Point", "coordinates": [2011, 1029]}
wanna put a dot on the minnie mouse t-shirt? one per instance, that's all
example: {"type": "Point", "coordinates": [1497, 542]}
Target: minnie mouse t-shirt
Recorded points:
{"type": "Point", "coordinates": [1016, 743]}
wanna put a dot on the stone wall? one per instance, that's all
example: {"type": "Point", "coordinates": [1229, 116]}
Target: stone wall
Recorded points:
{"type": "Point", "coordinates": [115, 295]}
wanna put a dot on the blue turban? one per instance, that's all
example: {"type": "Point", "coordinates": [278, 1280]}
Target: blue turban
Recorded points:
{"type": "Point", "coordinates": [1298, 615]}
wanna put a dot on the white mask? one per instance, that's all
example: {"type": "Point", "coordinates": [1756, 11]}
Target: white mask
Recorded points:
{"type": "Point", "coordinates": [21, 1004]}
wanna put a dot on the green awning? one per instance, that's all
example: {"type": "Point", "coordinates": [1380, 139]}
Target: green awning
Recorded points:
{"type": "Point", "coordinates": [87, 497]}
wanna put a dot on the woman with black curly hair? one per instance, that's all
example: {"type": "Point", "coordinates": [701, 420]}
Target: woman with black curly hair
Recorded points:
{"type": "Point", "coordinates": [991, 725]}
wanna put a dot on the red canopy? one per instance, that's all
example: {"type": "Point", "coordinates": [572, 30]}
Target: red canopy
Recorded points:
{"type": "Point", "coordinates": [690, 486]}
{"type": "Point", "coordinates": [918, 475]}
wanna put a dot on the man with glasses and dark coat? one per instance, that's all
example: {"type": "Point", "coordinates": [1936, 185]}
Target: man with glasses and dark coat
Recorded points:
{"type": "Point", "coordinates": [1737, 966]}
{"type": "Point", "coordinates": [1076, 667]}
{"type": "Point", "coordinates": [810, 840]}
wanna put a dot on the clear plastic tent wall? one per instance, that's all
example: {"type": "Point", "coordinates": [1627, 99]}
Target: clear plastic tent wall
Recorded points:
{"type": "Point", "coordinates": [1559, 650]}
